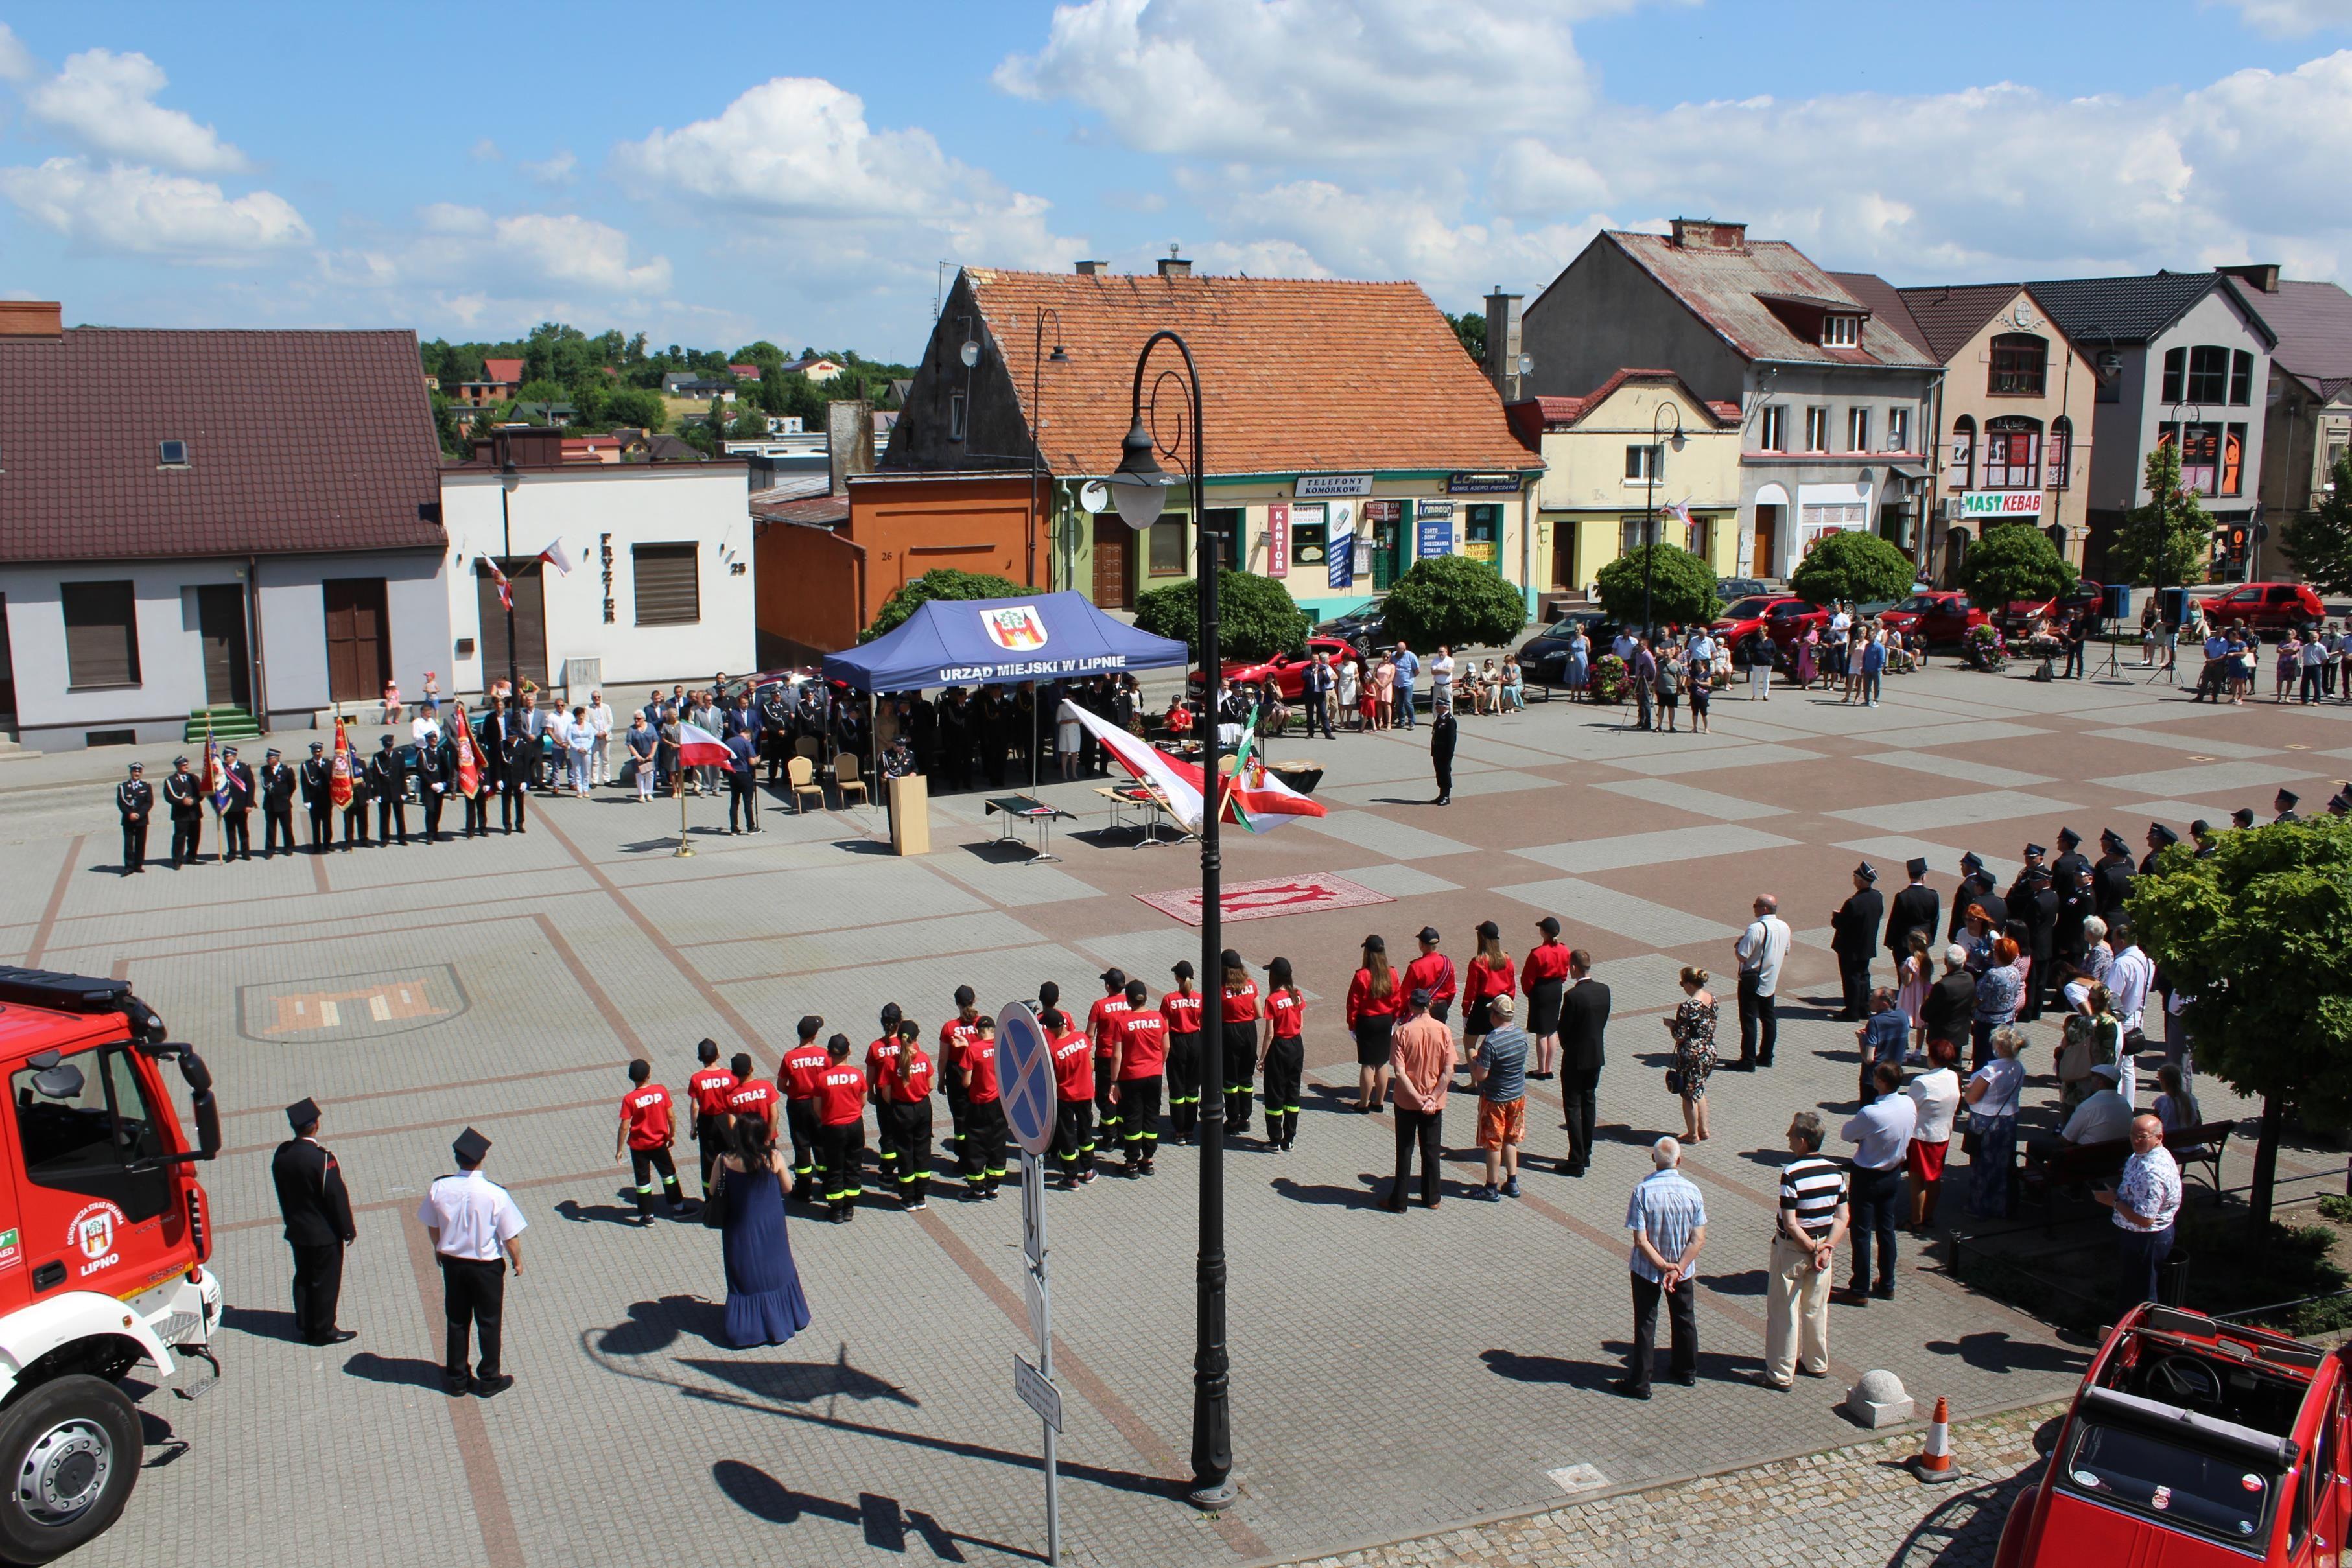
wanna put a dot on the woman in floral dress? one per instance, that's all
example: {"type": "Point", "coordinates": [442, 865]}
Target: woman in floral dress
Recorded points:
{"type": "Point", "coordinates": [1693, 1029]}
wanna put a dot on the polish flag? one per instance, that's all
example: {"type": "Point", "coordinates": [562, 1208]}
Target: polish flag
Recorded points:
{"type": "Point", "coordinates": [1256, 801]}
{"type": "Point", "coordinates": [555, 557]}
{"type": "Point", "coordinates": [506, 588]}
{"type": "Point", "coordinates": [697, 748]}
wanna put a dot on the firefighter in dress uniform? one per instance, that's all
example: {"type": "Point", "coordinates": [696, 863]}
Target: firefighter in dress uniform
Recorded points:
{"type": "Point", "coordinates": [475, 1230]}
{"type": "Point", "coordinates": [2160, 838]}
{"type": "Point", "coordinates": [317, 1210]}
{"type": "Point", "coordinates": [437, 769]}
{"type": "Point", "coordinates": [486, 777]}
{"type": "Point", "coordinates": [277, 792]}
{"type": "Point", "coordinates": [355, 810]}
{"type": "Point", "coordinates": [388, 782]}
{"type": "Point", "coordinates": [236, 816]}
{"type": "Point", "coordinates": [317, 775]}
{"type": "Point", "coordinates": [184, 793]}
{"type": "Point", "coordinates": [517, 755]}
{"type": "Point", "coordinates": [134, 802]}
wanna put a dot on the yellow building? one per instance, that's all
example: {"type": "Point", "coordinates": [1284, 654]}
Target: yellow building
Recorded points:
{"type": "Point", "coordinates": [1642, 446]}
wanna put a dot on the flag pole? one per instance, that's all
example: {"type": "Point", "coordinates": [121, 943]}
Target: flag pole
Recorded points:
{"type": "Point", "coordinates": [677, 786]}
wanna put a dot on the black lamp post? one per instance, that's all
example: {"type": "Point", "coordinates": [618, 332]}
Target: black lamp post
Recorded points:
{"type": "Point", "coordinates": [509, 483]}
{"type": "Point", "coordinates": [1658, 438]}
{"type": "Point", "coordinates": [1140, 488]}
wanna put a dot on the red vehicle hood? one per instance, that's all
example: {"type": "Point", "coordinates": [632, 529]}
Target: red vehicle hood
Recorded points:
{"type": "Point", "coordinates": [2074, 1533]}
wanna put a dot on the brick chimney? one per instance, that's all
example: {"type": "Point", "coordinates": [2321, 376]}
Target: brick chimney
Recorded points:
{"type": "Point", "coordinates": [1175, 265]}
{"type": "Point", "coordinates": [1503, 342]}
{"type": "Point", "coordinates": [31, 318]}
{"type": "Point", "coordinates": [2262, 275]}
{"type": "Point", "coordinates": [1094, 269]}
{"type": "Point", "coordinates": [848, 441]}
{"type": "Point", "coordinates": [1706, 234]}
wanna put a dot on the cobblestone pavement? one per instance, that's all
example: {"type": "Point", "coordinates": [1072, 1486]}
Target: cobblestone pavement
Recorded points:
{"type": "Point", "coordinates": [1855, 1507]}
{"type": "Point", "coordinates": [506, 983]}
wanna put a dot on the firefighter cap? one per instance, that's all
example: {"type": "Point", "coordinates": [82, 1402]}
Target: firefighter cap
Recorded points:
{"type": "Point", "coordinates": [302, 1113]}
{"type": "Point", "coordinates": [469, 1148]}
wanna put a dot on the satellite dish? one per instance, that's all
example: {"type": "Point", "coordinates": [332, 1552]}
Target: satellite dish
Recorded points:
{"type": "Point", "coordinates": [1527, 364]}
{"type": "Point", "coordinates": [969, 354]}
{"type": "Point", "coordinates": [1094, 496]}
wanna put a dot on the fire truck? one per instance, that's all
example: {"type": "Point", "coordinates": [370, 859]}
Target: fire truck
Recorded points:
{"type": "Point", "coordinates": [104, 1233]}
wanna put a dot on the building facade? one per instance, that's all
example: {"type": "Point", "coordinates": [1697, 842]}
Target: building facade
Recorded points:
{"type": "Point", "coordinates": [2307, 426]}
{"type": "Point", "coordinates": [1833, 402]}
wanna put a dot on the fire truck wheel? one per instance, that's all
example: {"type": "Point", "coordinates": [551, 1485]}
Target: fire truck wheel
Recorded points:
{"type": "Point", "coordinates": [70, 1450]}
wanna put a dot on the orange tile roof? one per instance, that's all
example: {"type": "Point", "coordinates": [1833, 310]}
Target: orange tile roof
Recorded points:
{"type": "Point", "coordinates": [505, 371]}
{"type": "Point", "coordinates": [1297, 375]}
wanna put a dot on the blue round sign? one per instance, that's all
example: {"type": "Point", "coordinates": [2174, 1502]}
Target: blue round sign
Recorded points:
{"type": "Point", "coordinates": [1025, 1075]}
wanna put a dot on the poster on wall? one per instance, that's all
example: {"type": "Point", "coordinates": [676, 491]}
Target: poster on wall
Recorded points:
{"type": "Point", "coordinates": [1277, 540]}
{"type": "Point", "coordinates": [1434, 525]}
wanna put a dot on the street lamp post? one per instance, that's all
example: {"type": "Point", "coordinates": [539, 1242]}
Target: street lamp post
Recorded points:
{"type": "Point", "coordinates": [509, 482]}
{"type": "Point", "coordinates": [1140, 488]}
{"type": "Point", "coordinates": [1658, 439]}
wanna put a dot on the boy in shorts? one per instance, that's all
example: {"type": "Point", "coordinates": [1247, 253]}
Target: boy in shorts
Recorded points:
{"type": "Point", "coordinates": [1500, 1072]}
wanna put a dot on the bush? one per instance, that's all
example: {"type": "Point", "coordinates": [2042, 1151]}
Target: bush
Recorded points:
{"type": "Point", "coordinates": [1255, 617]}
{"type": "Point", "coordinates": [2013, 561]}
{"type": "Point", "coordinates": [1854, 566]}
{"type": "Point", "coordinates": [943, 582]}
{"type": "Point", "coordinates": [1682, 587]}
{"type": "Point", "coordinates": [1454, 600]}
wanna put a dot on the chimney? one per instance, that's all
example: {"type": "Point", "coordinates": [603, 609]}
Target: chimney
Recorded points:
{"type": "Point", "coordinates": [848, 441]}
{"type": "Point", "coordinates": [1706, 233]}
{"type": "Point", "coordinates": [1503, 343]}
{"type": "Point", "coordinates": [1175, 265]}
{"type": "Point", "coordinates": [1093, 268]}
{"type": "Point", "coordinates": [31, 318]}
{"type": "Point", "coordinates": [2262, 275]}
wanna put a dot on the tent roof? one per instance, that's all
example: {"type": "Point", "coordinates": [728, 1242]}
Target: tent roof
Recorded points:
{"type": "Point", "coordinates": [996, 642]}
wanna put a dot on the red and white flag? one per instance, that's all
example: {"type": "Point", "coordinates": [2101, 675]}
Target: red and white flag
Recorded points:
{"type": "Point", "coordinates": [554, 555]}
{"type": "Point", "coordinates": [697, 748]}
{"type": "Point", "coordinates": [1258, 801]}
{"type": "Point", "coordinates": [506, 588]}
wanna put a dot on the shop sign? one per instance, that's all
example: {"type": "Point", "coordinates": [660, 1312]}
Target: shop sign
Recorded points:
{"type": "Point", "coordinates": [1277, 540]}
{"type": "Point", "coordinates": [1437, 535]}
{"type": "Point", "coordinates": [1383, 511]}
{"type": "Point", "coordinates": [1434, 511]}
{"type": "Point", "coordinates": [1482, 484]}
{"type": "Point", "coordinates": [1330, 484]}
{"type": "Point", "coordinates": [2001, 504]}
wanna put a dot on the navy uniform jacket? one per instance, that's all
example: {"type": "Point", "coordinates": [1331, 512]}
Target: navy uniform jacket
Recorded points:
{"type": "Point", "coordinates": [317, 777]}
{"type": "Point", "coordinates": [135, 800]}
{"type": "Point", "coordinates": [1914, 909]}
{"type": "Point", "coordinates": [185, 796]}
{"type": "Point", "coordinates": [1854, 927]}
{"type": "Point", "coordinates": [311, 1197]}
{"type": "Point", "coordinates": [277, 787]}
{"type": "Point", "coordinates": [240, 789]}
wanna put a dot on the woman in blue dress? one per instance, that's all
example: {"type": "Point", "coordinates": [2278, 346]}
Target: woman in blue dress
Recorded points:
{"type": "Point", "coordinates": [1578, 668]}
{"type": "Point", "coordinates": [764, 1304]}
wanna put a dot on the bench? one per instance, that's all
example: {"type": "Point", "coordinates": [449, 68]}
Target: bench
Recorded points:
{"type": "Point", "coordinates": [2082, 1163]}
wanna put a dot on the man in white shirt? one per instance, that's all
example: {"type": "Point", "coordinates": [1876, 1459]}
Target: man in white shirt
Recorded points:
{"type": "Point", "coordinates": [2128, 977]}
{"type": "Point", "coordinates": [2147, 1200]}
{"type": "Point", "coordinates": [600, 756]}
{"type": "Point", "coordinates": [1880, 1133]}
{"type": "Point", "coordinates": [2105, 1116]}
{"type": "Point", "coordinates": [1761, 949]}
{"type": "Point", "coordinates": [475, 1230]}
{"type": "Point", "coordinates": [1441, 681]}
{"type": "Point", "coordinates": [425, 729]}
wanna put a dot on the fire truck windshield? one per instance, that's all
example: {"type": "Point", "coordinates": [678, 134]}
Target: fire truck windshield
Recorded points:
{"type": "Point", "coordinates": [102, 1142]}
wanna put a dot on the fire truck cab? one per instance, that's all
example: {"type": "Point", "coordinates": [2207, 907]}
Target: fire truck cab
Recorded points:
{"type": "Point", "coordinates": [104, 1233]}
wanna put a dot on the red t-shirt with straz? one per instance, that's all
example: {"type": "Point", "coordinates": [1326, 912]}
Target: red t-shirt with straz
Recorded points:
{"type": "Point", "coordinates": [879, 1056]}
{"type": "Point", "coordinates": [1182, 1011]}
{"type": "Point", "coordinates": [801, 1067]}
{"type": "Point", "coordinates": [908, 1079]}
{"type": "Point", "coordinates": [1073, 1070]}
{"type": "Point", "coordinates": [1102, 1022]}
{"type": "Point", "coordinates": [980, 1061]}
{"type": "Point", "coordinates": [708, 1090]}
{"type": "Point", "coordinates": [840, 1094]}
{"type": "Point", "coordinates": [753, 1097]}
{"type": "Point", "coordinates": [646, 1113]}
{"type": "Point", "coordinates": [1241, 1002]}
{"type": "Point", "coordinates": [955, 1037]}
{"type": "Point", "coordinates": [1143, 1040]}
{"type": "Point", "coordinates": [1288, 1013]}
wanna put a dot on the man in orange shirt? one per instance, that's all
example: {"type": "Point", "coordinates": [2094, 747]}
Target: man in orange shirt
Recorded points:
{"type": "Point", "coordinates": [1421, 1061]}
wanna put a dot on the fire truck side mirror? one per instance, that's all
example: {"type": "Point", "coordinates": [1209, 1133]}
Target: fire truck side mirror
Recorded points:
{"type": "Point", "coordinates": [200, 1094]}
{"type": "Point", "coordinates": [53, 1079]}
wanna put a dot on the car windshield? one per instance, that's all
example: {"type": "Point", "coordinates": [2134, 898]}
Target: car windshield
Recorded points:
{"type": "Point", "coordinates": [1918, 603]}
{"type": "Point", "coordinates": [2213, 1494]}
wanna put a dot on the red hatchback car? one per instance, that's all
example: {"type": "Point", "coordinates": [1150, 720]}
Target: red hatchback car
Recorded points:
{"type": "Point", "coordinates": [2193, 1441]}
{"type": "Point", "coordinates": [1934, 620]}
{"type": "Point", "coordinates": [2265, 606]}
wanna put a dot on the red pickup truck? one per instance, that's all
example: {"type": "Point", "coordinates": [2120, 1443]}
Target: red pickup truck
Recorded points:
{"type": "Point", "coordinates": [1934, 620]}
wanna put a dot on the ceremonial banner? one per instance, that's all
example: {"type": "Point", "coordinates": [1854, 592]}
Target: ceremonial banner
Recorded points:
{"type": "Point", "coordinates": [469, 757]}
{"type": "Point", "coordinates": [215, 772]}
{"type": "Point", "coordinates": [339, 772]}
{"type": "Point", "coordinates": [1253, 797]}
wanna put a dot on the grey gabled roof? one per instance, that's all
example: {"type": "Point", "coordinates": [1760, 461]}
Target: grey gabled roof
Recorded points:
{"type": "Point", "coordinates": [2313, 322]}
{"type": "Point", "coordinates": [2102, 310]}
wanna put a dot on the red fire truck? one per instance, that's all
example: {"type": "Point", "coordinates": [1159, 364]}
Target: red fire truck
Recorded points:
{"type": "Point", "coordinates": [104, 1233]}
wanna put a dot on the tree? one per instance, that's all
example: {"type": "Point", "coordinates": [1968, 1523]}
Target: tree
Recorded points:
{"type": "Point", "coordinates": [1471, 329]}
{"type": "Point", "coordinates": [2013, 561]}
{"type": "Point", "coordinates": [1255, 617]}
{"type": "Point", "coordinates": [2260, 934]}
{"type": "Point", "coordinates": [445, 426]}
{"type": "Point", "coordinates": [1456, 600]}
{"type": "Point", "coordinates": [2169, 541]}
{"type": "Point", "coordinates": [940, 582]}
{"type": "Point", "coordinates": [1682, 587]}
{"type": "Point", "coordinates": [634, 407]}
{"type": "Point", "coordinates": [1854, 566]}
{"type": "Point", "coordinates": [2321, 539]}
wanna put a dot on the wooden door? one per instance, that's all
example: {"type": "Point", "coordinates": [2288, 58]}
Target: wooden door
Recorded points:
{"type": "Point", "coordinates": [1113, 564]}
{"type": "Point", "coordinates": [1563, 556]}
{"type": "Point", "coordinates": [1766, 555]}
{"type": "Point", "coordinates": [220, 625]}
{"type": "Point", "coordinates": [359, 639]}
{"type": "Point", "coordinates": [530, 661]}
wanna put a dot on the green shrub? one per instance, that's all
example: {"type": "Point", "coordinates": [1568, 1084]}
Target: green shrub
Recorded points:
{"type": "Point", "coordinates": [942, 582]}
{"type": "Point", "coordinates": [1682, 587]}
{"type": "Point", "coordinates": [2013, 561]}
{"type": "Point", "coordinates": [1854, 566]}
{"type": "Point", "coordinates": [1255, 616]}
{"type": "Point", "coordinates": [1454, 600]}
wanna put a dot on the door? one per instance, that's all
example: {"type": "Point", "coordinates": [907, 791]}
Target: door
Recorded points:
{"type": "Point", "coordinates": [96, 1200]}
{"type": "Point", "coordinates": [1113, 564]}
{"type": "Point", "coordinates": [530, 658]}
{"type": "Point", "coordinates": [359, 639]}
{"type": "Point", "coordinates": [1563, 556]}
{"type": "Point", "coordinates": [1764, 559]}
{"type": "Point", "coordinates": [220, 623]}
{"type": "Point", "coordinates": [1388, 546]}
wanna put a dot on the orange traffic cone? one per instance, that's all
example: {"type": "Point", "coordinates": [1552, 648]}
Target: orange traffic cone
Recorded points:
{"type": "Point", "coordinates": [1934, 1462]}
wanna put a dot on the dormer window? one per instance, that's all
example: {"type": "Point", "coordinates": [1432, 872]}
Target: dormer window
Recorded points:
{"type": "Point", "coordinates": [171, 454]}
{"type": "Point", "coordinates": [1841, 331]}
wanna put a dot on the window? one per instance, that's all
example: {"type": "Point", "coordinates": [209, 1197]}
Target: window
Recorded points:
{"type": "Point", "coordinates": [1817, 429]}
{"type": "Point", "coordinates": [1772, 430]}
{"type": "Point", "coordinates": [1702, 539]}
{"type": "Point", "coordinates": [2233, 461]}
{"type": "Point", "coordinates": [2176, 362]}
{"type": "Point", "coordinates": [1168, 546]}
{"type": "Point", "coordinates": [2012, 455]}
{"type": "Point", "coordinates": [2201, 455]}
{"type": "Point", "coordinates": [2209, 373]}
{"type": "Point", "coordinates": [1964, 452]}
{"type": "Point", "coordinates": [2062, 451]}
{"type": "Point", "coordinates": [2242, 378]}
{"type": "Point", "coordinates": [1857, 430]}
{"type": "Point", "coordinates": [172, 454]}
{"type": "Point", "coordinates": [955, 416]}
{"type": "Point", "coordinates": [1641, 463]}
{"type": "Point", "coordinates": [86, 1142]}
{"type": "Point", "coordinates": [1841, 331]}
{"type": "Point", "coordinates": [1632, 531]}
{"type": "Point", "coordinates": [102, 634]}
{"type": "Point", "coordinates": [2020, 365]}
{"type": "Point", "coordinates": [668, 584]}
{"type": "Point", "coordinates": [1898, 430]}
{"type": "Point", "coordinates": [2336, 450]}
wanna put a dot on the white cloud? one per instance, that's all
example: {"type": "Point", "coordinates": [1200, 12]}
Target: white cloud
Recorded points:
{"type": "Point", "coordinates": [485, 150]}
{"type": "Point", "coordinates": [17, 62]}
{"type": "Point", "coordinates": [138, 210]}
{"type": "Point", "coordinates": [555, 170]}
{"type": "Point", "coordinates": [465, 248]}
{"type": "Point", "coordinates": [106, 101]}
{"type": "Point", "coordinates": [2290, 19]}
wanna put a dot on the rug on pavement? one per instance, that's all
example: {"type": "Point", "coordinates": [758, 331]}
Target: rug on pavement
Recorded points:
{"type": "Point", "coordinates": [1274, 895]}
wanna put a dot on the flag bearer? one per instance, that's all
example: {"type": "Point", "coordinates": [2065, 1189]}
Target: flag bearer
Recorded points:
{"type": "Point", "coordinates": [648, 1129]}
{"type": "Point", "coordinates": [706, 1091]}
{"type": "Point", "coordinates": [1142, 1058]}
{"type": "Point", "coordinates": [1283, 1059]}
{"type": "Point", "coordinates": [981, 1150]}
{"type": "Point", "coordinates": [841, 1129]}
{"type": "Point", "coordinates": [902, 1115]}
{"type": "Point", "coordinates": [1074, 1103]}
{"type": "Point", "coordinates": [1182, 1008]}
{"type": "Point", "coordinates": [804, 1067]}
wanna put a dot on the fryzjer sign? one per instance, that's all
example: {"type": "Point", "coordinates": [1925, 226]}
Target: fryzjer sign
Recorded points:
{"type": "Point", "coordinates": [2001, 504]}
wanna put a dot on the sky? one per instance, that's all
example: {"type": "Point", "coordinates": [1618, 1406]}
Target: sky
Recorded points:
{"type": "Point", "coordinates": [802, 173]}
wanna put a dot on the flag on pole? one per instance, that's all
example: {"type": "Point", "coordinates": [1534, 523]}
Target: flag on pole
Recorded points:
{"type": "Point", "coordinates": [215, 772]}
{"type": "Point", "coordinates": [555, 557]}
{"type": "Point", "coordinates": [1680, 512]}
{"type": "Point", "coordinates": [1252, 797]}
{"type": "Point", "coordinates": [506, 588]}
{"type": "Point", "coordinates": [340, 772]}
{"type": "Point", "coordinates": [697, 748]}
{"type": "Point", "coordinates": [469, 758]}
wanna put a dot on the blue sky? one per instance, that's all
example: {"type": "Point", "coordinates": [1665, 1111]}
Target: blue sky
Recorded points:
{"type": "Point", "coordinates": [798, 173]}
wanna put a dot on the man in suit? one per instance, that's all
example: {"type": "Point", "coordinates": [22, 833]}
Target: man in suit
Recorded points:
{"type": "Point", "coordinates": [237, 815]}
{"type": "Point", "coordinates": [277, 804]}
{"type": "Point", "coordinates": [2111, 879]}
{"type": "Point", "coordinates": [1916, 908]}
{"type": "Point", "coordinates": [318, 774]}
{"type": "Point", "coordinates": [388, 782]}
{"type": "Point", "coordinates": [184, 793]}
{"type": "Point", "coordinates": [1317, 684]}
{"type": "Point", "coordinates": [1853, 937]}
{"type": "Point", "coordinates": [1976, 888]}
{"type": "Point", "coordinates": [436, 771]}
{"type": "Point", "coordinates": [318, 1213]}
{"type": "Point", "coordinates": [1583, 1019]}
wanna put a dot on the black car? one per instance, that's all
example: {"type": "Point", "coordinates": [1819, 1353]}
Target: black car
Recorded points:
{"type": "Point", "coordinates": [1543, 656]}
{"type": "Point", "coordinates": [1366, 629]}
{"type": "Point", "coordinates": [1731, 589]}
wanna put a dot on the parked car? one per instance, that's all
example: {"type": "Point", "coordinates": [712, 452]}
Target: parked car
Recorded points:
{"type": "Point", "coordinates": [1748, 614]}
{"type": "Point", "coordinates": [2022, 614]}
{"type": "Point", "coordinates": [1934, 619]}
{"type": "Point", "coordinates": [2193, 1441]}
{"type": "Point", "coordinates": [1542, 656]}
{"type": "Point", "coordinates": [1366, 629]}
{"type": "Point", "coordinates": [1729, 589]}
{"type": "Point", "coordinates": [2265, 606]}
{"type": "Point", "coordinates": [1287, 671]}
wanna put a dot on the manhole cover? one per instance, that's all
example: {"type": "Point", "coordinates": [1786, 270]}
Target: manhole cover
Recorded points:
{"type": "Point", "coordinates": [1575, 1479]}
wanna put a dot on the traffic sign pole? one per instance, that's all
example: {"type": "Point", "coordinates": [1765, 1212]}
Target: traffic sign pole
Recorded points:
{"type": "Point", "coordinates": [1032, 1193]}
{"type": "Point", "coordinates": [1026, 1079]}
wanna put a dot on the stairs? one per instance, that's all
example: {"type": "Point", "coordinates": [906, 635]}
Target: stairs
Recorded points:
{"type": "Point", "coordinates": [226, 721]}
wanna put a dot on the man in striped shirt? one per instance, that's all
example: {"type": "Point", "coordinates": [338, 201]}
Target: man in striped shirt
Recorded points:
{"type": "Point", "coordinates": [1804, 1244]}
{"type": "Point", "coordinates": [1668, 1219]}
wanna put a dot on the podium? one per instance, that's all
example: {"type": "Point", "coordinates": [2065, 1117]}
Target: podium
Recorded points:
{"type": "Point", "coordinates": [910, 816]}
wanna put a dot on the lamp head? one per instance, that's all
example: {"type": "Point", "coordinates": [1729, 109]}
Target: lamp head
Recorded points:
{"type": "Point", "coordinates": [1060, 356]}
{"type": "Point", "coordinates": [1139, 487]}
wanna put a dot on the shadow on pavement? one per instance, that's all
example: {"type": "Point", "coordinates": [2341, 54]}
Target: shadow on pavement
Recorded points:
{"type": "Point", "coordinates": [262, 1322]}
{"type": "Point", "coordinates": [1749, 1283]}
{"type": "Point", "coordinates": [1993, 1351]}
{"type": "Point", "coordinates": [401, 1371]}
{"type": "Point", "coordinates": [1327, 1193]}
{"type": "Point", "coordinates": [803, 1382]}
{"type": "Point", "coordinates": [885, 1523]}
{"type": "Point", "coordinates": [658, 1324]}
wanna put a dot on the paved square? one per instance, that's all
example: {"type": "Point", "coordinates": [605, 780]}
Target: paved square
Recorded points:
{"type": "Point", "coordinates": [1392, 1377]}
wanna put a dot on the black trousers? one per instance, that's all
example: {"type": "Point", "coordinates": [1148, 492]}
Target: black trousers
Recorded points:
{"type": "Point", "coordinates": [1183, 1076]}
{"type": "Point", "coordinates": [642, 1165]}
{"type": "Point", "coordinates": [356, 825]}
{"type": "Point", "coordinates": [1760, 1025]}
{"type": "Point", "coordinates": [317, 1284]}
{"type": "Point", "coordinates": [1444, 768]}
{"type": "Point", "coordinates": [134, 845]}
{"type": "Point", "coordinates": [710, 1143]}
{"type": "Point", "coordinates": [1427, 1129]}
{"type": "Point", "coordinates": [1879, 1206]}
{"type": "Point", "coordinates": [276, 827]}
{"type": "Point", "coordinates": [1286, 1064]}
{"type": "Point", "coordinates": [478, 813]}
{"type": "Point", "coordinates": [187, 838]}
{"type": "Point", "coordinates": [1240, 1075]}
{"type": "Point", "coordinates": [1106, 1108]}
{"type": "Point", "coordinates": [1853, 980]}
{"type": "Point", "coordinates": [1579, 1090]}
{"type": "Point", "coordinates": [514, 805]}
{"type": "Point", "coordinates": [743, 797]}
{"type": "Point", "coordinates": [982, 1153]}
{"type": "Point", "coordinates": [322, 826]}
{"type": "Point", "coordinates": [1682, 1329]}
{"type": "Point", "coordinates": [958, 1110]}
{"type": "Point", "coordinates": [236, 835]}
{"type": "Point", "coordinates": [800, 1121]}
{"type": "Point", "coordinates": [433, 802]}
{"type": "Point", "coordinates": [841, 1147]}
{"type": "Point", "coordinates": [1074, 1137]}
{"type": "Point", "coordinates": [391, 816]}
{"type": "Point", "coordinates": [904, 1131]}
{"type": "Point", "coordinates": [1139, 1117]}
{"type": "Point", "coordinates": [473, 1298]}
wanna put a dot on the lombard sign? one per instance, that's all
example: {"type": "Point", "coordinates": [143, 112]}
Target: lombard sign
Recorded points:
{"type": "Point", "coordinates": [1327, 486]}
{"type": "Point", "coordinates": [2001, 504]}
{"type": "Point", "coordinates": [1482, 484]}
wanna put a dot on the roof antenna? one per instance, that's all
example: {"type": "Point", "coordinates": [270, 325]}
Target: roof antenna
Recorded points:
{"type": "Point", "coordinates": [1172, 251]}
